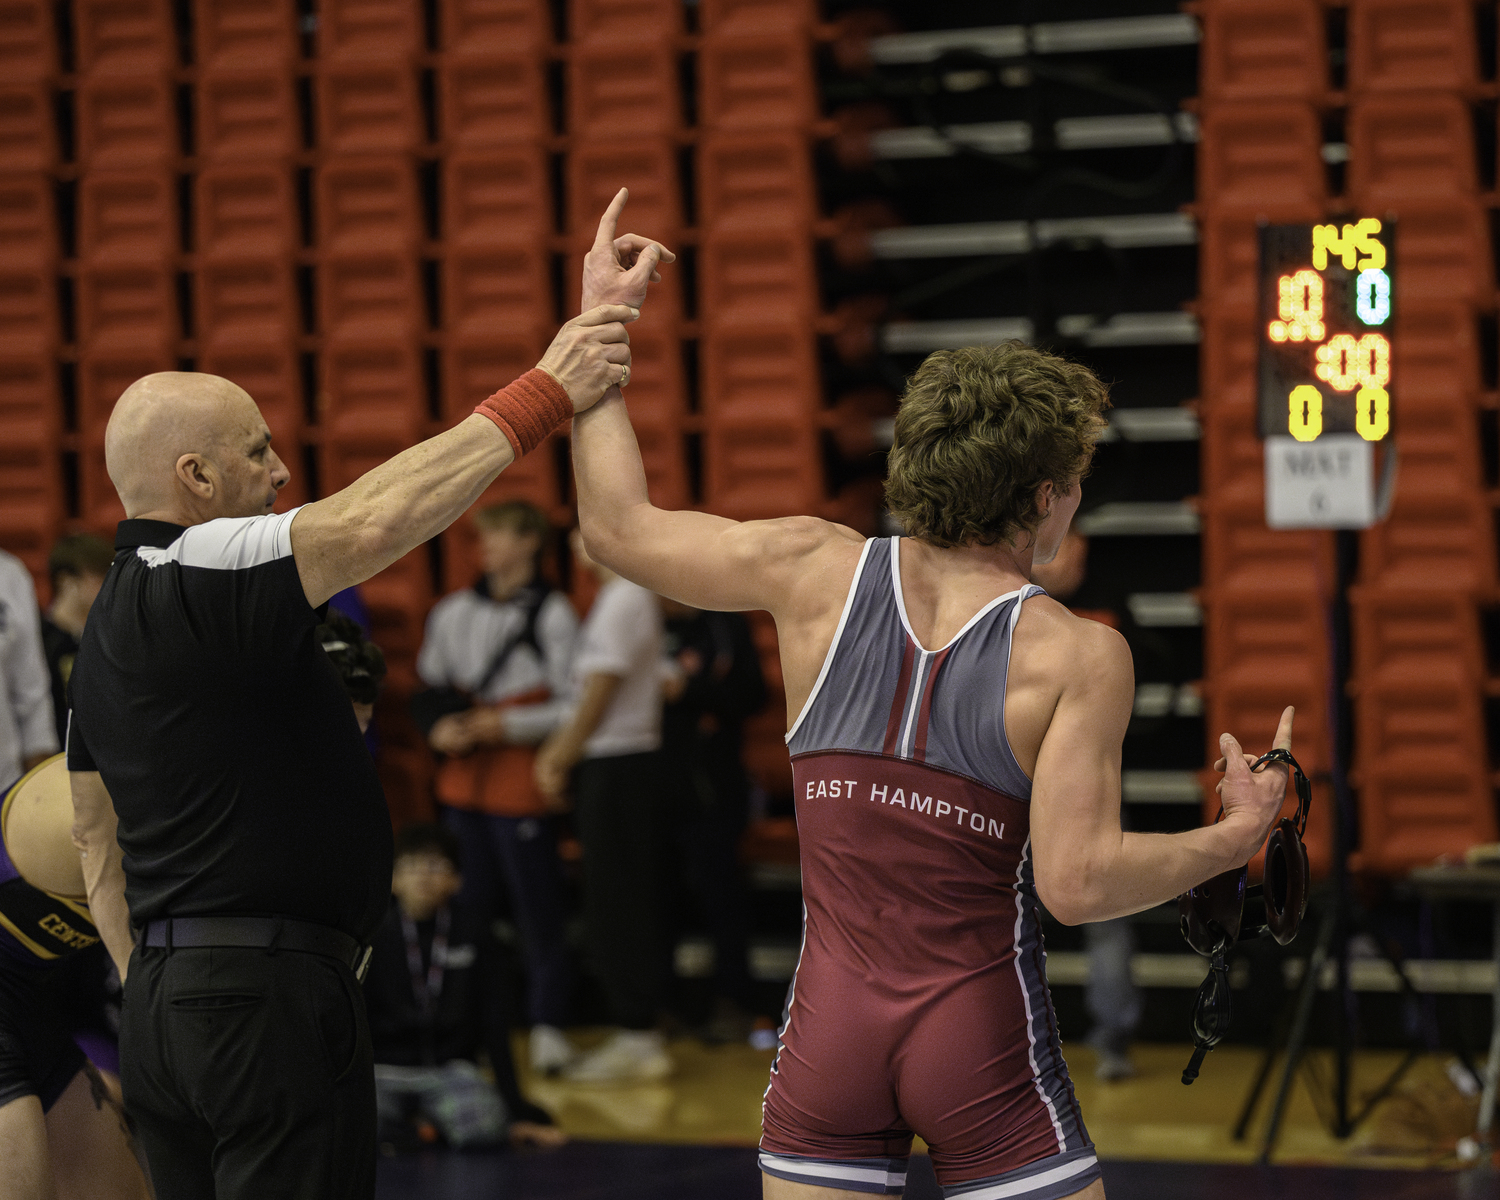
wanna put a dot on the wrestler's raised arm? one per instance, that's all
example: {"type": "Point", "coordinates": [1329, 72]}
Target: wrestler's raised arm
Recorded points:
{"type": "Point", "coordinates": [700, 559]}
{"type": "Point", "coordinates": [1087, 867]}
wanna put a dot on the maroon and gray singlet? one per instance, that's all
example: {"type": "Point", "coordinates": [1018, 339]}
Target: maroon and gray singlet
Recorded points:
{"type": "Point", "coordinates": [920, 1001]}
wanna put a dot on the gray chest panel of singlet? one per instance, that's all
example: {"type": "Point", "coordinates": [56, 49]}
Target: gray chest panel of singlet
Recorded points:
{"type": "Point", "coordinates": [880, 692]}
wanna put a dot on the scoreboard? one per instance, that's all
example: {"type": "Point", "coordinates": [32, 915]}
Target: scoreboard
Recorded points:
{"type": "Point", "coordinates": [1326, 301]}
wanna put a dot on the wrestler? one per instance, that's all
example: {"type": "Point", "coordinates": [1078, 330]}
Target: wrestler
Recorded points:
{"type": "Point", "coordinates": [63, 1132]}
{"type": "Point", "coordinates": [955, 739]}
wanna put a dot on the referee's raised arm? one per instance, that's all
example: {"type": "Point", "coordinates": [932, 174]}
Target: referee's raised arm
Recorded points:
{"type": "Point", "coordinates": [351, 535]}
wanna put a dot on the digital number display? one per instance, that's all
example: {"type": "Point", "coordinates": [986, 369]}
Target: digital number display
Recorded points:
{"type": "Point", "coordinates": [1326, 304]}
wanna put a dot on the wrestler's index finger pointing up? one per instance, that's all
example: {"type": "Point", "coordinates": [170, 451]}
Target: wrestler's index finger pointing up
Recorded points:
{"type": "Point", "coordinates": [611, 219]}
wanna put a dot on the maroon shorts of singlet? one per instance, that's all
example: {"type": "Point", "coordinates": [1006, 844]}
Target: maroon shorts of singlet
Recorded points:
{"type": "Point", "coordinates": [864, 1065]}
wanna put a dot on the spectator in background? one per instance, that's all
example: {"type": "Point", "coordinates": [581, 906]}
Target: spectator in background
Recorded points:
{"type": "Point", "coordinates": [714, 684]}
{"type": "Point", "coordinates": [77, 565]}
{"type": "Point", "coordinates": [506, 645]}
{"type": "Point", "coordinates": [27, 733]}
{"type": "Point", "coordinates": [434, 1000]}
{"type": "Point", "coordinates": [1111, 997]}
{"type": "Point", "coordinates": [610, 748]}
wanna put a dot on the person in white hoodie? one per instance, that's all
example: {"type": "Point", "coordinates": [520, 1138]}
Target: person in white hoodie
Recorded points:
{"type": "Point", "coordinates": [27, 734]}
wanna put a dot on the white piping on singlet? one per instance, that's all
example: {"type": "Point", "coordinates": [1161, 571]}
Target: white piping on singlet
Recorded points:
{"type": "Point", "coordinates": [1036, 1075]}
{"type": "Point", "coordinates": [849, 1173]}
{"type": "Point", "coordinates": [1019, 1187]}
{"type": "Point", "coordinates": [906, 621]}
{"type": "Point", "coordinates": [838, 636]}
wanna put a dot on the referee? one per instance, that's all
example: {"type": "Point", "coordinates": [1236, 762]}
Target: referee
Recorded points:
{"type": "Point", "coordinates": [221, 789]}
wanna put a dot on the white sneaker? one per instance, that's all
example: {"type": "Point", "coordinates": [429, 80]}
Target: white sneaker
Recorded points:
{"type": "Point", "coordinates": [629, 1056]}
{"type": "Point", "coordinates": [551, 1051]}
{"type": "Point", "coordinates": [1114, 1066]}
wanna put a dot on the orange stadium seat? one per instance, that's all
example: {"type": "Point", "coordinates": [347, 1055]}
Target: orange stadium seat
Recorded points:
{"type": "Point", "coordinates": [369, 404]}
{"type": "Point", "coordinates": [1233, 458]}
{"type": "Point", "coordinates": [1396, 45]}
{"type": "Point", "coordinates": [365, 30]}
{"type": "Point", "coordinates": [664, 458]}
{"type": "Point", "coordinates": [1420, 808]}
{"type": "Point", "coordinates": [1437, 536]}
{"type": "Point", "coordinates": [125, 306]}
{"type": "Point", "coordinates": [756, 82]}
{"type": "Point", "coordinates": [757, 469]}
{"type": "Point", "coordinates": [496, 197]}
{"type": "Point", "coordinates": [1438, 348]}
{"type": "Point", "coordinates": [244, 302]}
{"type": "Point", "coordinates": [263, 34]}
{"type": "Point", "coordinates": [124, 37]}
{"type": "Point", "coordinates": [1402, 636]}
{"type": "Point", "coordinates": [367, 108]}
{"type": "Point", "coordinates": [494, 99]}
{"type": "Point", "coordinates": [370, 296]}
{"type": "Point", "coordinates": [499, 287]}
{"type": "Point", "coordinates": [245, 211]}
{"type": "Point", "coordinates": [756, 374]}
{"type": "Point", "coordinates": [367, 205]}
{"type": "Point", "coordinates": [126, 121]}
{"type": "Point", "coordinates": [473, 370]}
{"type": "Point", "coordinates": [1229, 264]}
{"type": "Point", "coordinates": [742, 17]}
{"type": "Point", "coordinates": [1231, 341]}
{"type": "Point", "coordinates": [478, 26]}
{"type": "Point", "coordinates": [1444, 254]}
{"type": "Point", "coordinates": [27, 138]}
{"type": "Point", "coordinates": [247, 115]}
{"type": "Point", "coordinates": [128, 217]}
{"type": "Point", "coordinates": [623, 90]}
{"type": "Point", "coordinates": [606, 21]}
{"type": "Point", "coordinates": [1241, 554]}
{"type": "Point", "coordinates": [762, 277]}
{"type": "Point", "coordinates": [1411, 147]}
{"type": "Point", "coordinates": [1267, 153]}
{"type": "Point", "coordinates": [28, 41]}
{"type": "Point", "coordinates": [647, 166]}
{"type": "Point", "coordinates": [760, 181]}
{"type": "Point", "coordinates": [1263, 50]}
{"type": "Point", "coordinates": [28, 232]}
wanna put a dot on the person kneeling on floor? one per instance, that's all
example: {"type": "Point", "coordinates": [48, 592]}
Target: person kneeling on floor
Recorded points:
{"type": "Point", "coordinates": [434, 1002]}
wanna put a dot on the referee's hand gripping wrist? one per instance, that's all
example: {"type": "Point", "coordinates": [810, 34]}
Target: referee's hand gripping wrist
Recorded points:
{"type": "Point", "coordinates": [591, 354]}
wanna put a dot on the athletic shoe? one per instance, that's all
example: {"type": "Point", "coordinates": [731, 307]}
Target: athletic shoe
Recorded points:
{"type": "Point", "coordinates": [629, 1056]}
{"type": "Point", "coordinates": [1114, 1066]}
{"type": "Point", "coordinates": [551, 1051]}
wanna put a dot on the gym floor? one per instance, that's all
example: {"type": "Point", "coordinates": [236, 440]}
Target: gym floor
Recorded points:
{"type": "Point", "coordinates": [693, 1137]}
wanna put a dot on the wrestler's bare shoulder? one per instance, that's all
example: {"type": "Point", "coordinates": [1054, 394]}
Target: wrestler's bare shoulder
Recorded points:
{"type": "Point", "coordinates": [1052, 638]}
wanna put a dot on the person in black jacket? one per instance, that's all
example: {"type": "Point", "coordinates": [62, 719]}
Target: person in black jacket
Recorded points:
{"type": "Point", "coordinates": [714, 684]}
{"type": "Point", "coordinates": [433, 998]}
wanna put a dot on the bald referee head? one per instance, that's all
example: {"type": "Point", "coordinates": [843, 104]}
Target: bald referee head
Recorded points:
{"type": "Point", "coordinates": [187, 447]}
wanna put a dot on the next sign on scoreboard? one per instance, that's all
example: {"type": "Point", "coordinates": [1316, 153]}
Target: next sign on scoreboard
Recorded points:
{"type": "Point", "coordinates": [1327, 295]}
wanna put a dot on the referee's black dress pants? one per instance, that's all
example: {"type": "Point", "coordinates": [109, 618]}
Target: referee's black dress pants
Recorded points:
{"type": "Point", "coordinates": [249, 1075]}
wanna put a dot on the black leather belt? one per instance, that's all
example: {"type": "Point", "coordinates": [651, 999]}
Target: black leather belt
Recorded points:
{"type": "Point", "coordinates": [256, 933]}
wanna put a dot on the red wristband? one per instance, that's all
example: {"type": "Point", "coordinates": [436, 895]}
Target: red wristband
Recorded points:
{"type": "Point", "coordinates": [528, 410]}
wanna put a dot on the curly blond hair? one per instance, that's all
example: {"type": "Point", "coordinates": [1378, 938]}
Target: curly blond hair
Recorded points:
{"type": "Point", "coordinates": [979, 431]}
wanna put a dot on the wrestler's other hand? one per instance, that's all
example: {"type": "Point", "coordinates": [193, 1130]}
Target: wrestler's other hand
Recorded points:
{"type": "Point", "coordinates": [618, 270]}
{"type": "Point", "coordinates": [591, 353]}
{"type": "Point", "coordinates": [1253, 800]}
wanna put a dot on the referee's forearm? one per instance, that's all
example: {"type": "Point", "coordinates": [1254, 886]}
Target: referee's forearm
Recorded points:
{"type": "Point", "coordinates": [390, 510]}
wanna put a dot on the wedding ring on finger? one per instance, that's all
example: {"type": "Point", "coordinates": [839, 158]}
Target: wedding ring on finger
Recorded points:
{"type": "Point", "coordinates": [624, 374]}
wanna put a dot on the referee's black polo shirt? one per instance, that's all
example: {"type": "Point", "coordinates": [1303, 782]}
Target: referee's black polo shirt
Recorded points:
{"type": "Point", "coordinates": [224, 733]}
